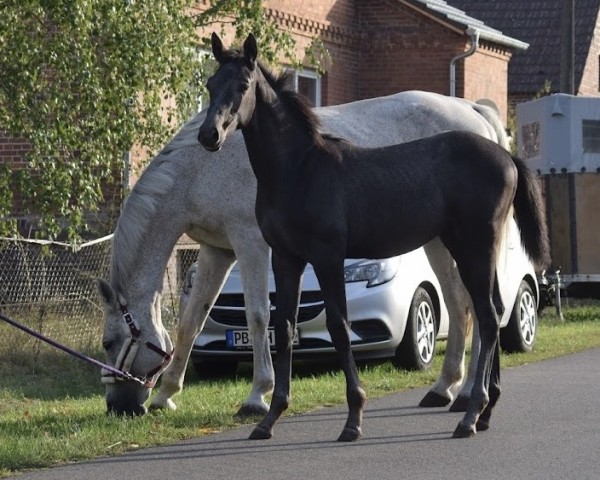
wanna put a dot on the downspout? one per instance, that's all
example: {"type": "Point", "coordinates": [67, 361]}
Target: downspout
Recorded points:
{"type": "Point", "coordinates": [474, 45]}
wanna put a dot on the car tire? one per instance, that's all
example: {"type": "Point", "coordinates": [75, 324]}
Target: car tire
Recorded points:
{"type": "Point", "coordinates": [213, 369]}
{"type": "Point", "coordinates": [520, 333]}
{"type": "Point", "coordinates": [417, 348]}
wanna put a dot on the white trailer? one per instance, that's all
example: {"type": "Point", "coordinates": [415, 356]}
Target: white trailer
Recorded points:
{"type": "Point", "coordinates": [559, 137]}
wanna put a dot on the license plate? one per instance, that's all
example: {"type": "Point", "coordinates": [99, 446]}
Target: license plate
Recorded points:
{"type": "Point", "coordinates": [241, 339]}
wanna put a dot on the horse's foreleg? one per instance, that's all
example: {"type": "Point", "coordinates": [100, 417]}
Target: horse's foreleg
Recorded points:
{"type": "Point", "coordinates": [213, 266]}
{"type": "Point", "coordinates": [331, 280]}
{"type": "Point", "coordinates": [254, 268]}
{"type": "Point", "coordinates": [288, 276]}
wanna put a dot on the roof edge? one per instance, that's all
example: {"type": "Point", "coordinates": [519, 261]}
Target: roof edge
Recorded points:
{"type": "Point", "coordinates": [460, 22]}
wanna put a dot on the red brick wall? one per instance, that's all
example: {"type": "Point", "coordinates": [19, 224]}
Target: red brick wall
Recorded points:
{"type": "Point", "coordinates": [485, 75]}
{"type": "Point", "coordinates": [335, 23]}
{"type": "Point", "coordinates": [403, 50]}
{"type": "Point", "coordinates": [12, 151]}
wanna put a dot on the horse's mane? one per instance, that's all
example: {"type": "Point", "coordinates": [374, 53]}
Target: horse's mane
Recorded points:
{"type": "Point", "coordinates": [155, 183]}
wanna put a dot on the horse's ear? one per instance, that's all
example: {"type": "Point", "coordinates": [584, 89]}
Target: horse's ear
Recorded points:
{"type": "Point", "coordinates": [217, 47]}
{"type": "Point", "coordinates": [107, 294]}
{"type": "Point", "coordinates": [250, 51]}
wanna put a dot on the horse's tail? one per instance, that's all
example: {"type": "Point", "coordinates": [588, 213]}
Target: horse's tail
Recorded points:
{"type": "Point", "coordinates": [530, 216]}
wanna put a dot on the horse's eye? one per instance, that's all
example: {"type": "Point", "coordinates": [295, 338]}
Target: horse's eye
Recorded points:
{"type": "Point", "coordinates": [244, 86]}
{"type": "Point", "coordinates": [106, 344]}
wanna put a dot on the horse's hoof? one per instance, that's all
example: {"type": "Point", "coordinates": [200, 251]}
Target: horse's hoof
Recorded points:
{"type": "Point", "coordinates": [249, 411]}
{"type": "Point", "coordinates": [433, 399]}
{"type": "Point", "coordinates": [483, 425]}
{"type": "Point", "coordinates": [463, 432]}
{"type": "Point", "coordinates": [260, 433]}
{"type": "Point", "coordinates": [460, 404]}
{"type": "Point", "coordinates": [350, 434]}
{"type": "Point", "coordinates": [169, 405]}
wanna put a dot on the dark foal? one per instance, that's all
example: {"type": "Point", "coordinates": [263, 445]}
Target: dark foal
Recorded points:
{"type": "Point", "coordinates": [321, 200]}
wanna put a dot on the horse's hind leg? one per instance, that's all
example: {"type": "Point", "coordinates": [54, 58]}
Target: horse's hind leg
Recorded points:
{"type": "Point", "coordinates": [458, 305]}
{"type": "Point", "coordinates": [331, 280]}
{"type": "Point", "coordinates": [288, 276]}
{"type": "Point", "coordinates": [213, 266]}
{"type": "Point", "coordinates": [461, 402]}
{"type": "Point", "coordinates": [253, 260]}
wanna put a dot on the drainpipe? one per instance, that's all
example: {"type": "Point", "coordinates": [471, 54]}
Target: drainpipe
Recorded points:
{"type": "Point", "coordinates": [474, 45]}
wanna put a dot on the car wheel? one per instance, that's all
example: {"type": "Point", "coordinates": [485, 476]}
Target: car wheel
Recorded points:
{"type": "Point", "coordinates": [212, 369]}
{"type": "Point", "coordinates": [520, 332]}
{"type": "Point", "coordinates": [417, 349]}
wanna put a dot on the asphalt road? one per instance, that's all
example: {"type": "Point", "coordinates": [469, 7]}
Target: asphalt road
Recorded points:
{"type": "Point", "coordinates": [545, 426]}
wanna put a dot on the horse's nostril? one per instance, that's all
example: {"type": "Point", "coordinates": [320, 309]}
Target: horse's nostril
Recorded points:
{"type": "Point", "coordinates": [208, 136]}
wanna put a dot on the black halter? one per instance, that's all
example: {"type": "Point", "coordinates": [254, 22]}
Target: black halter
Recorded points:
{"type": "Point", "coordinates": [129, 352]}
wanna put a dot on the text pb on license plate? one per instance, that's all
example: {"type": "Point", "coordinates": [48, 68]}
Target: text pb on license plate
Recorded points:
{"type": "Point", "coordinates": [243, 340]}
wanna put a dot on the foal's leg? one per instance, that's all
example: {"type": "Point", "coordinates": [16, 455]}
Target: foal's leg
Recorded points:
{"type": "Point", "coordinates": [253, 260]}
{"type": "Point", "coordinates": [213, 266]}
{"type": "Point", "coordinates": [288, 276]}
{"type": "Point", "coordinates": [331, 279]}
{"type": "Point", "coordinates": [478, 270]}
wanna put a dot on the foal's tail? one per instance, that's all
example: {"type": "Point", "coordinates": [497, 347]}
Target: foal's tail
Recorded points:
{"type": "Point", "coordinates": [531, 218]}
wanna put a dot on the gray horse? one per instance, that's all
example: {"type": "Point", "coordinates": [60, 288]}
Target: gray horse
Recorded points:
{"type": "Point", "coordinates": [211, 198]}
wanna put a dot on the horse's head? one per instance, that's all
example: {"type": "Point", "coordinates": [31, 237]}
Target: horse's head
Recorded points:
{"type": "Point", "coordinates": [135, 342]}
{"type": "Point", "coordinates": [232, 91]}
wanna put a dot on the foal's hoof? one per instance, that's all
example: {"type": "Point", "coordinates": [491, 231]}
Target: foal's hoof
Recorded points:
{"type": "Point", "coordinates": [350, 434]}
{"type": "Point", "coordinates": [460, 404]}
{"type": "Point", "coordinates": [433, 399]}
{"type": "Point", "coordinates": [260, 433]}
{"type": "Point", "coordinates": [463, 432]}
{"type": "Point", "coordinates": [249, 411]}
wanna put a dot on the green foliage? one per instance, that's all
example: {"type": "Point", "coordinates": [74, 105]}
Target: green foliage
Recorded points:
{"type": "Point", "coordinates": [84, 81]}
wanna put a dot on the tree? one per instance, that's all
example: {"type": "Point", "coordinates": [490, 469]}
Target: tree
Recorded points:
{"type": "Point", "coordinates": [85, 80]}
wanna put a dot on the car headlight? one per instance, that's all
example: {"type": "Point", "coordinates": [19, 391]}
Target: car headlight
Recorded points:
{"type": "Point", "coordinates": [374, 272]}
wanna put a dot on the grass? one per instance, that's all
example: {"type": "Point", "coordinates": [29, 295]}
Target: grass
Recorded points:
{"type": "Point", "coordinates": [55, 414]}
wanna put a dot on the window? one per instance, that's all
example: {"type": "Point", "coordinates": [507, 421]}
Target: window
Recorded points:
{"type": "Point", "coordinates": [530, 134]}
{"type": "Point", "coordinates": [308, 83]}
{"type": "Point", "coordinates": [591, 136]}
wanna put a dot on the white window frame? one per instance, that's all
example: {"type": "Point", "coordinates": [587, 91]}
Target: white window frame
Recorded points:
{"type": "Point", "coordinates": [310, 74]}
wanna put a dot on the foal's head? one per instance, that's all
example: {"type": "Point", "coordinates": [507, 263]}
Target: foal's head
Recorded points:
{"type": "Point", "coordinates": [232, 92]}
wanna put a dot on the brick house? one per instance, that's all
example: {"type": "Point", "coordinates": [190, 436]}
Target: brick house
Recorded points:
{"type": "Point", "coordinates": [380, 47]}
{"type": "Point", "coordinates": [538, 22]}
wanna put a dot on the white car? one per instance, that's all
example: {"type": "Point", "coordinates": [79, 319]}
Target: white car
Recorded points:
{"type": "Point", "coordinates": [395, 307]}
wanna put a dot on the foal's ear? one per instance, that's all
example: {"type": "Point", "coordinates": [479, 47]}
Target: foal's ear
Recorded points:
{"type": "Point", "coordinates": [250, 51]}
{"type": "Point", "coordinates": [217, 47]}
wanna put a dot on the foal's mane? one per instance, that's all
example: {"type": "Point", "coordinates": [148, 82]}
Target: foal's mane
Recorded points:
{"type": "Point", "coordinates": [296, 104]}
{"type": "Point", "coordinates": [157, 181]}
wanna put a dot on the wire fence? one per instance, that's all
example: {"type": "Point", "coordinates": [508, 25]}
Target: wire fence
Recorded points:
{"type": "Point", "coordinates": [51, 288]}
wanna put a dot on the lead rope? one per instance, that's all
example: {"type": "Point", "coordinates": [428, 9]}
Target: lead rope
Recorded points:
{"type": "Point", "coordinates": [70, 351]}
